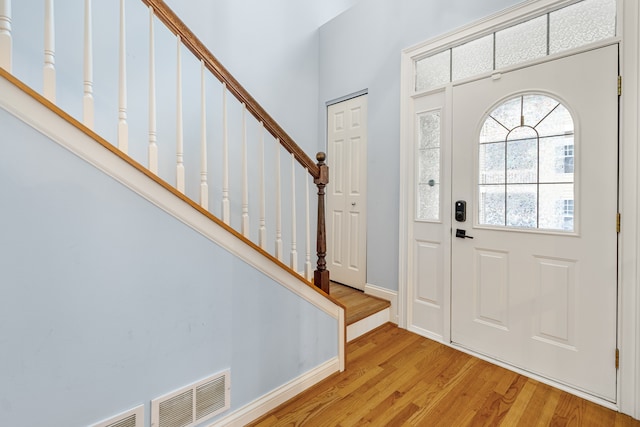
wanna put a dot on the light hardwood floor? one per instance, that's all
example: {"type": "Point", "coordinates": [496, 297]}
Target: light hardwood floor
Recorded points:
{"type": "Point", "coordinates": [396, 378]}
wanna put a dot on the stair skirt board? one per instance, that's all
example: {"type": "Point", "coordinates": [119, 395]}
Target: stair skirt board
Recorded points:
{"type": "Point", "coordinates": [278, 396]}
{"type": "Point", "coordinates": [368, 324]}
{"type": "Point", "coordinates": [131, 418]}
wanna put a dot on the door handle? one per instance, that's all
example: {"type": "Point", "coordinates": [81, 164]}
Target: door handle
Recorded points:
{"type": "Point", "coordinates": [353, 203]}
{"type": "Point", "coordinates": [462, 234]}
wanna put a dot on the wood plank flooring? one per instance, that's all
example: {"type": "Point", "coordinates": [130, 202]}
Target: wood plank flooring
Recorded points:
{"type": "Point", "coordinates": [396, 378]}
{"type": "Point", "coordinates": [358, 304]}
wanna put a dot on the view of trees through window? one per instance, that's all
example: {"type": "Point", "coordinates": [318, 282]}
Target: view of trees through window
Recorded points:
{"type": "Point", "coordinates": [526, 165]}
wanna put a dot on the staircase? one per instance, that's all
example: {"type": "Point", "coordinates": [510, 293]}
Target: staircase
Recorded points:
{"type": "Point", "coordinates": [364, 313]}
{"type": "Point", "coordinates": [225, 283]}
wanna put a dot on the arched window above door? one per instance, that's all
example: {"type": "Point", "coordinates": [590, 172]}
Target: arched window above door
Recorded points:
{"type": "Point", "coordinates": [526, 161]}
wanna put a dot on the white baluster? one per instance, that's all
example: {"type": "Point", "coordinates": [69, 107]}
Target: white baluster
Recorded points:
{"type": "Point", "coordinates": [204, 187]}
{"type": "Point", "coordinates": [294, 249]}
{"type": "Point", "coordinates": [308, 268]}
{"type": "Point", "coordinates": [245, 177]}
{"type": "Point", "coordinates": [153, 133]}
{"type": "Point", "coordinates": [49, 70]}
{"type": "Point", "coordinates": [225, 159]}
{"type": "Point", "coordinates": [87, 99]}
{"type": "Point", "coordinates": [279, 247]}
{"type": "Point", "coordinates": [123, 126]}
{"type": "Point", "coordinates": [262, 232]}
{"type": "Point", "coordinates": [6, 42]}
{"type": "Point", "coordinates": [179, 132]}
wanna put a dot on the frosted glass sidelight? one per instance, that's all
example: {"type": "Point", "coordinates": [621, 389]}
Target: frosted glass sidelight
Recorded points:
{"type": "Point", "coordinates": [428, 166]}
{"type": "Point", "coordinates": [582, 23]}
{"type": "Point", "coordinates": [428, 202]}
{"type": "Point", "coordinates": [433, 71]}
{"type": "Point", "coordinates": [429, 124]}
{"type": "Point", "coordinates": [522, 42]}
{"type": "Point", "coordinates": [473, 58]}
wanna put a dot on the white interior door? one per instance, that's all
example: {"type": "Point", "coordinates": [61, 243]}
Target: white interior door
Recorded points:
{"type": "Point", "coordinates": [535, 160]}
{"type": "Point", "coordinates": [347, 192]}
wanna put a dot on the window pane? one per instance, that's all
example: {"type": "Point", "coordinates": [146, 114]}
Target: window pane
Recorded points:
{"type": "Point", "coordinates": [556, 207]}
{"type": "Point", "coordinates": [473, 58]}
{"type": "Point", "coordinates": [556, 159]}
{"type": "Point", "coordinates": [429, 128]}
{"type": "Point", "coordinates": [428, 166]}
{"type": "Point", "coordinates": [433, 71]}
{"type": "Point", "coordinates": [492, 131]}
{"type": "Point", "coordinates": [491, 163]}
{"type": "Point", "coordinates": [428, 202]}
{"type": "Point", "coordinates": [522, 156]}
{"type": "Point", "coordinates": [522, 206]}
{"type": "Point", "coordinates": [508, 113]}
{"type": "Point", "coordinates": [558, 122]}
{"type": "Point", "coordinates": [582, 23]}
{"type": "Point", "coordinates": [491, 205]}
{"type": "Point", "coordinates": [522, 42]}
{"type": "Point", "coordinates": [536, 107]}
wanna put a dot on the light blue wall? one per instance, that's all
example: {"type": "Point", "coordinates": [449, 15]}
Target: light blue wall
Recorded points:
{"type": "Point", "coordinates": [107, 302]}
{"type": "Point", "coordinates": [360, 49]}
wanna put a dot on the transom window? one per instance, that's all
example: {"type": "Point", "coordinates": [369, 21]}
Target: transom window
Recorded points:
{"type": "Point", "coordinates": [526, 165]}
{"type": "Point", "coordinates": [569, 27]}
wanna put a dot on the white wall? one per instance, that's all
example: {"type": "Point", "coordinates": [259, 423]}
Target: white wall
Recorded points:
{"type": "Point", "coordinates": [360, 49]}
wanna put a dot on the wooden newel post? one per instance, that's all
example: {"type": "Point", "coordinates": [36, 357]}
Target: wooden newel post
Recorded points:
{"type": "Point", "coordinates": [321, 275]}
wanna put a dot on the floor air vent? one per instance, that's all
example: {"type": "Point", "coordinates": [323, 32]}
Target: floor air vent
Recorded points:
{"type": "Point", "coordinates": [192, 404]}
{"type": "Point", "coordinates": [131, 418]}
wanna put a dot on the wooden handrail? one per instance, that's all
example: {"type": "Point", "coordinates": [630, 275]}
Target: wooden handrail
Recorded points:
{"type": "Point", "coordinates": [177, 27]}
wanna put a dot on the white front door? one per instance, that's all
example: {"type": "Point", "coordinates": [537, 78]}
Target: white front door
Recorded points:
{"type": "Point", "coordinates": [535, 158]}
{"type": "Point", "coordinates": [347, 192]}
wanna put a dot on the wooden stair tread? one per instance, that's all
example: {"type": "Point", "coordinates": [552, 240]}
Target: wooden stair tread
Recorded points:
{"type": "Point", "coordinates": [358, 304]}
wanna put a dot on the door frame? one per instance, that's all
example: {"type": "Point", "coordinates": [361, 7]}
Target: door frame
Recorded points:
{"type": "Point", "coordinates": [628, 31]}
{"type": "Point", "coordinates": [364, 186]}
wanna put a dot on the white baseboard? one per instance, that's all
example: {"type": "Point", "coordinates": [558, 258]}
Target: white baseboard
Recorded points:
{"type": "Point", "coordinates": [273, 399]}
{"type": "Point", "coordinates": [385, 294]}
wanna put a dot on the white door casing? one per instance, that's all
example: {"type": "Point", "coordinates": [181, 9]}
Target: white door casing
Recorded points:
{"type": "Point", "coordinates": [347, 192]}
{"type": "Point", "coordinates": [543, 301]}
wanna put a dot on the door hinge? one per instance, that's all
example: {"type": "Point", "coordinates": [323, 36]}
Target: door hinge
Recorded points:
{"type": "Point", "coordinates": [619, 85]}
{"type": "Point", "coordinates": [618, 222]}
{"type": "Point", "coordinates": [617, 359]}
